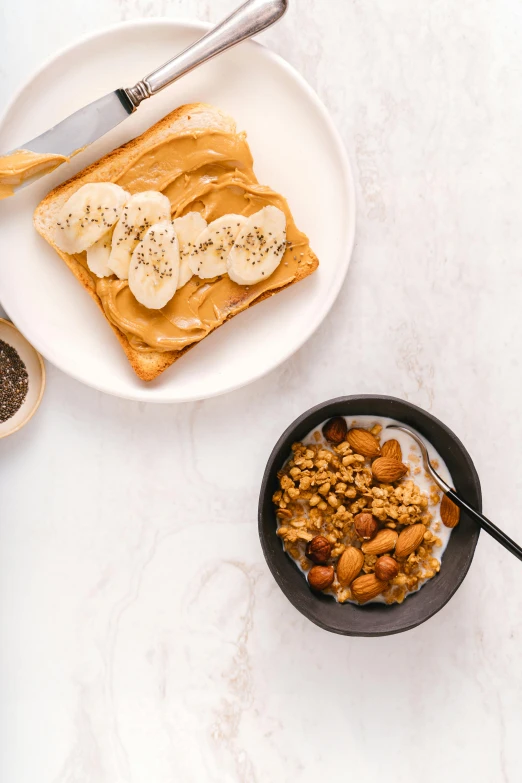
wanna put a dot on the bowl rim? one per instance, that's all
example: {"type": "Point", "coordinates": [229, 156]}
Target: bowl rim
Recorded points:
{"type": "Point", "coordinates": [275, 454]}
{"type": "Point", "coordinates": [7, 433]}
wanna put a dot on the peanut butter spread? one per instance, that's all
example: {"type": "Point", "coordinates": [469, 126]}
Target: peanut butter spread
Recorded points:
{"type": "Point", "coordinates": [209, 172]}
{"type": "Point", "coordinates": [21, 165]}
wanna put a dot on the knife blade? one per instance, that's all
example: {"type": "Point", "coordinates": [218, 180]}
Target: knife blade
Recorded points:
{"type": "Point", "coordinates": [95, 120]}
{"type": "Point", "coordinates": [84, 126]}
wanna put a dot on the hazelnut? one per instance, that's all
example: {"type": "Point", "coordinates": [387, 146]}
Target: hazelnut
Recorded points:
{"type": "Point", "coordinates": [318, 550]}
{"type": "Point", "coordinates": [320, 577]}
{"type": "Point", "coordinates": [386, 568]}
{"type": "Point", "coordinates": [335, 430]}
{"type": "Point", "coordinates": [366, 526]}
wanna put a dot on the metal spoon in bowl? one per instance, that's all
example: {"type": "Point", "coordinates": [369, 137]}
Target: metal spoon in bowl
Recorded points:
{"type": "Point", "coordinates": [484, 523]}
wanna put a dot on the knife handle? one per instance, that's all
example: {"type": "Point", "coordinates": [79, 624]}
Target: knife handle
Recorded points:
{"type": "Point", "coordinates": [249, 19]}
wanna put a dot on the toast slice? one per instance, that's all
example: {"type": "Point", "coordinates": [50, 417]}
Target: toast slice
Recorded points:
{"type": "Point", "coordinates": [186, 122]}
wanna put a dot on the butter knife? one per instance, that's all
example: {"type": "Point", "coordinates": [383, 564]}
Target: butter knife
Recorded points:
{"type": "Point", "coordinates": [95, 120]}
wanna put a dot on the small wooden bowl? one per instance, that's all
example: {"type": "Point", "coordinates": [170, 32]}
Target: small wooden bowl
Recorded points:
{"type": "Point", "coordinates": [36, 369]}
{"type": "Point", "coordinates": [373, 619]}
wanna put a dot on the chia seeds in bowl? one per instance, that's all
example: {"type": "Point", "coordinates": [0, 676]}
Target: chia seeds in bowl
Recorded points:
{"type": "Point", "coordinates": [14, 381]}
{"type": "Point", "coordinates": [22, 379]}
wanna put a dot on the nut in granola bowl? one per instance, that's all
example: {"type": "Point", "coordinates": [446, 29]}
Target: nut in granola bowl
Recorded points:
{"type": "Point", "coordinates": [386, 568]}
{"type": "Point", "coordinates": [321, 577]}
{"type": "Point", "coordinates": [335, 430]}
{"type": "Point", "coordinates": [387, 470]}
{"type": "Point", "coordinates": [329, 491]}
{"type": "Point", "coordinates": [349, 565]}
{"type": "Point", "coordinates": [409, 539]}
{"type": "Point", "coordinates": [392, 448]}
{"type": "Point", "coordinates": [367, 587]}
{"type": "Point", "coordinates": [318, 550]}
{"type": "Point", "coordinates": [365, 524]}
{"type": "Point", "coordinates": [363, 442]}
{"type": "Point", "coordinates": [384, 541]}
{"type": "Point", "coordinates": [449, 512]}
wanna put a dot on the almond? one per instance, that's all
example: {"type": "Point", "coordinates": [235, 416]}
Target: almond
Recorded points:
{"type": "Point", "coordinates": [363, 442]}
{"type": "Point", "coordinates": [366, 587]}
{"type": "Point", "coordinates": [384, 541]}
{"type": "Point", "coordinates": [409, 539]}
{"type": "Point", "coordinates": [392, 449]}
{"type": "Point", "coordinates": [388, 470]}
{"type": "Point", "coordinates": [349, 565]}
{"type": "Point", "coordinates": [449, 512]}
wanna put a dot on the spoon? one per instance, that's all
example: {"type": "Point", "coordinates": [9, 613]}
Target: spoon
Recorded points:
{"type": "Point", "coordinates": [484, 523]}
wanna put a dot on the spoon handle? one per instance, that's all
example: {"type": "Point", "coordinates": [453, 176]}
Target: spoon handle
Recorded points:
{"type": "Point", "coordinates": [486, 525]}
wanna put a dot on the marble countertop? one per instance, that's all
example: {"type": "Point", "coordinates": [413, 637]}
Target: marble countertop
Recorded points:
{"type": "Point", "coordinates": [143, 639]}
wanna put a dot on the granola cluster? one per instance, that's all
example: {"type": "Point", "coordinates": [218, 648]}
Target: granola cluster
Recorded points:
{"type": "Point", "coordinates": [325, 486]}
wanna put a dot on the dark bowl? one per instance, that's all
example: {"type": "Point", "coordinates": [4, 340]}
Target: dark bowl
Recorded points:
{"type": "Point", "coordinates": [373, 619]}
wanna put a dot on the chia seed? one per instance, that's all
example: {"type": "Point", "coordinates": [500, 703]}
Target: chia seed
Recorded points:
{"type": "Point", "coordinates": [14, 381]}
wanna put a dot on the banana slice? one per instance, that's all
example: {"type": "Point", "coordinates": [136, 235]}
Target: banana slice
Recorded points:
{"type": "Point", "coordinates": [188, 228]}
{"type": "Point", "coordinates": [154, 266]}
{"type": "Point", "coordinates": [209, 259]}
{"type": "Point", "coordinates": [88, 214]}
{"type": "Point", "coordinates": [259, 247]}
{"type": "Point", "coordinates": [98, 256]}
{"type": "Point", "coordinates": [140, 212]}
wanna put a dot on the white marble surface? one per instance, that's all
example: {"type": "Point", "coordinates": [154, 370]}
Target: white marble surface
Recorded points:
{"type": "Point", "coordinates": [143, 639]}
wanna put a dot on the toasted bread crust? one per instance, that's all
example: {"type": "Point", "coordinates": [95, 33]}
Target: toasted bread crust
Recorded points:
{"type": "Point", "coordinates": [147, 365]}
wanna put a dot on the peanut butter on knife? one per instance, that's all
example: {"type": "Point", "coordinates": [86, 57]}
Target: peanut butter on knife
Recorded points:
{"type": "Point", "coordinates": [19, 166]}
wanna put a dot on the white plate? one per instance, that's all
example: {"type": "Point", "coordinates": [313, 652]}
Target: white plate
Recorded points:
{"type": "Point", "coordinates": [296, 149]}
